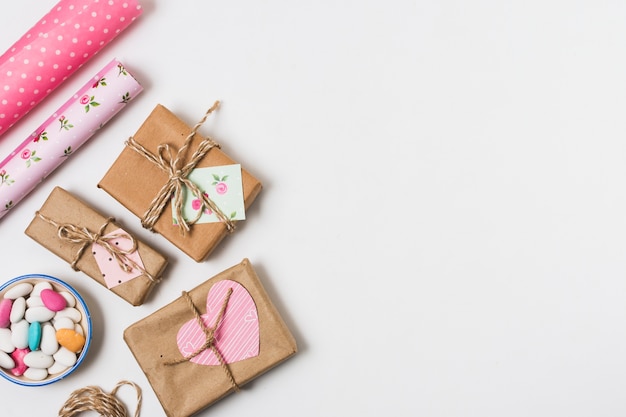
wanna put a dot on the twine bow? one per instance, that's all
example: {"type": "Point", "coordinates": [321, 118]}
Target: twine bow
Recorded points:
{"type": "Point", "coordinates": [209, 333]}
{"type": "Point", "coordinates": [174, 188]}
{"type": "Point", "coordinates": [93, 398]}
{"type": "Point", "coordinates": [72, 233]}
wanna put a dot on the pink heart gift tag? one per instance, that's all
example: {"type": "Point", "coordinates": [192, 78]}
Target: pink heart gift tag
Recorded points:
{"type": "Point", "coordinates": [237, 334]}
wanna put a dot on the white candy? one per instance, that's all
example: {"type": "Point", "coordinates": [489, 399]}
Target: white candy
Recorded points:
{"type": "Point", "coordinates": [38, 359]}
{"type": "Point", "coordinates": [6, 361]}
{"type": "Point", "coordinates": [5, 341]}
{"type": "Point", "coordinates": [57, 368]}
{"type": "Point", "coordinates": [36, 374]}
{"type": "Point", "coordinates": [49, 344]}
{"type": "Point", "coordinates": [18, 290]}
{"type": "Point", "coordinates": [40, 314]}
{"type": "Point", "coordinates": [63, 323]}
{"type": "Point", "coordinates": [43, 285]}
{"type": "Point", "coordinates": [70, 312]}
{"type": "Point", "coordinates": [17, 309]}
{"type": "Point", "coordinates": [34, 302]}
{"type": "Point", "coordinates": [71, 301]}
{"type": "Point", "coordinates": [19, 334]}
{"type": "Point", "coordinates": [79, 329]}
{"type": "Point", "coordinates": [65, 357]}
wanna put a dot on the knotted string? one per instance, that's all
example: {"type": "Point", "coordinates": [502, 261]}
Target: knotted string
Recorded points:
{"type": "Point", "coordinates": [209, 333]}
{"type": "Point", "coordinates": [93, 398]}
{"type": "Point", "coordinates": [177, 179]}
{"type": "Point", "coordinates": [85, 237]}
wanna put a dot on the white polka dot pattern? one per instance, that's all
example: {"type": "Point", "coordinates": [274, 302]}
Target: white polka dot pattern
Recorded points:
{"type": "Point", "coordinates": [60, 43]}
{"type": "Point", "coordinates": [64, 132]}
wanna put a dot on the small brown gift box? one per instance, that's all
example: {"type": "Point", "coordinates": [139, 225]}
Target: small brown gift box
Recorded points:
{"type": "Point", "coordinates": [184, 387]}
{"type": "Point", "coordinates": [134, 181]}
{"type": "Point", "coordinates": [62, 207]}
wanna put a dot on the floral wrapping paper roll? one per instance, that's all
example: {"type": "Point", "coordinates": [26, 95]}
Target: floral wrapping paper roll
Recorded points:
{"type": "Point", "coordinates": [56, 46]}
{"type": "Point", "coordinates": [65, 131]}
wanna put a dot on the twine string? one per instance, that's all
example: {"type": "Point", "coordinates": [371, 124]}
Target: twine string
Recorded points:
{"type": "Point", "coordinates": [174, 188]}
{"type": "Point", "coordinates": [72, 233]}
{"type": "Point", "coordinates": [209, 334]}
{"type": "Point", "coordinates": [93, 398]}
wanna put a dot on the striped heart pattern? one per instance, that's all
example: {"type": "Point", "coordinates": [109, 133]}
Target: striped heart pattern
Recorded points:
{"type": "Point", "coordinates": [237, 333]}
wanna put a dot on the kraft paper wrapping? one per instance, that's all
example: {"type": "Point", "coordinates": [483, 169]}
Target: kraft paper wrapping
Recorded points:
{"type": "Point", "coordinates": [54, 48]}
{"type": "Point", "coordinates": [56, 140]}
{"type": "Point", "coordinates": [186, 388]}
{"type": "Point", "coordinates": [134, 181]}
{"type": "Point", "coordinates": [63, 208]}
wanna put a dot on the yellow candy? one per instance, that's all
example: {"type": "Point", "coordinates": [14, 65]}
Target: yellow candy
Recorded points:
{"type": "Point", "coordinates": [70, 339]}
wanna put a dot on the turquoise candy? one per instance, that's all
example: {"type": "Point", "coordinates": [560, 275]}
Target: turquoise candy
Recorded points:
{"type": "Point", "coordinates": [34, 335]}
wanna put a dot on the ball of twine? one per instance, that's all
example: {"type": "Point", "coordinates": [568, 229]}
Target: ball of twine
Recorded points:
{"type": "Point", "coordinates": [93, 398]}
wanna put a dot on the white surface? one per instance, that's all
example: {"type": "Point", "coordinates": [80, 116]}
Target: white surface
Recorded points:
{"type": "Point", "coordinates": [442, 224]}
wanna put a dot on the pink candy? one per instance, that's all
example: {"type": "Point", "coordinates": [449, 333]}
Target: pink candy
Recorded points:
{"type": "Point", "coordinates": [53, 300]}
{"type": "Point", "coordinates": [5, 312]}
{"type": "Point", "coordinates": [18, 357]}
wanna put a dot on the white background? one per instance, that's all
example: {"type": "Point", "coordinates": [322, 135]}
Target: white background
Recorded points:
{"type": "Point", "coordinates": [442, 224]}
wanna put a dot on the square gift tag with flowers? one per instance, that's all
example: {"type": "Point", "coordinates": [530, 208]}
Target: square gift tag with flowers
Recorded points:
{"type": "Point", "coordinates": [222, 184]}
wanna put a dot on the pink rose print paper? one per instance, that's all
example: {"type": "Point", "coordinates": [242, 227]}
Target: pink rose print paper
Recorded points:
{"type": "Point", "coordinates": [237, 333]}
{"type": "Point", "coordinates": [64, 132]}
{"type": "Point", "coordinates": [111, 272]}
{"type": "Point", "coordinates": [223, 185]}
{"type": "Point", "coordinates": [56, 46]}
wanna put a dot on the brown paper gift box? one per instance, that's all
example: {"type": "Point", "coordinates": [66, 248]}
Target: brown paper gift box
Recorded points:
{"type": "Point", "coordinates": [62, 207]}
{"type": "Point", "coordinates": [134, 181]}
{"type": "Point", "coordinates": [186, 388]}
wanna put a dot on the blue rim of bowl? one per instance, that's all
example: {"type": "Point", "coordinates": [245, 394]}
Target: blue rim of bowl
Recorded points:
{"type": "Point", "coordinates": [83, 353]}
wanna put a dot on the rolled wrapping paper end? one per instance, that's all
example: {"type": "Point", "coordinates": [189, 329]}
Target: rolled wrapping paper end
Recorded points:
{"type": "Point", "coordinates": [66, 130]}
{"type": "Point", "coordinates": [54, 48]}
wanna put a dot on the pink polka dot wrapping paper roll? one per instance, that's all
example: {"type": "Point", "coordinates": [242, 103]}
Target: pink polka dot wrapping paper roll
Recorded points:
{"type": "Point", "coordinates": [56, 140]}
{"type": "Point", "coordinates": [59, 43]}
